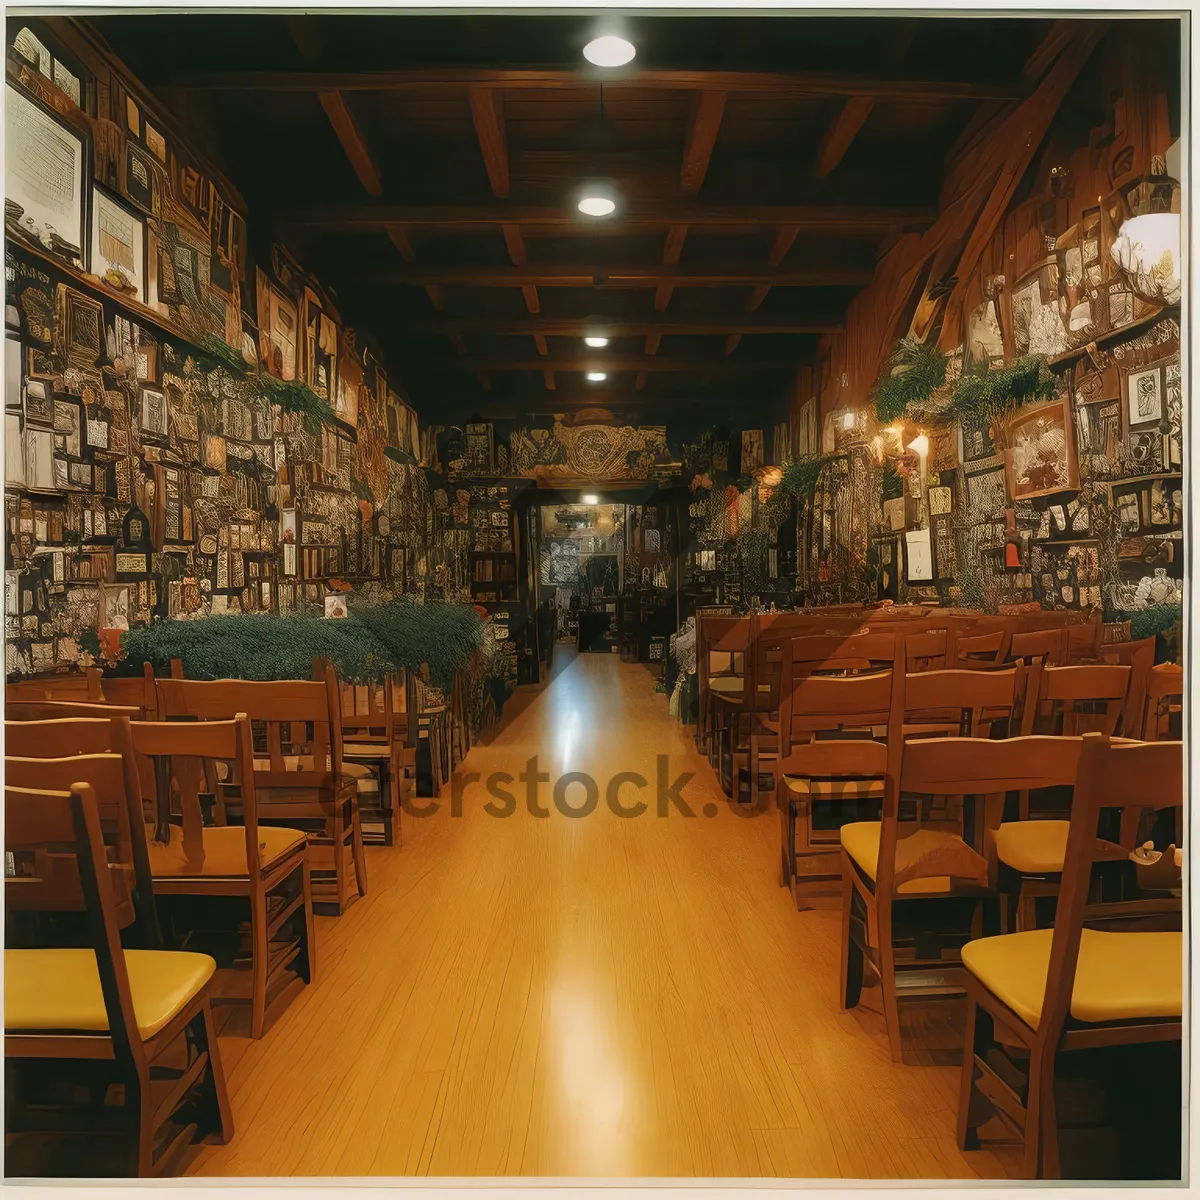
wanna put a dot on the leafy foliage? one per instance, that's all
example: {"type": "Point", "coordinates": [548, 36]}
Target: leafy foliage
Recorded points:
{"type": "Point", "coordinates": [293, 396]}
{"type": "Point", "coordinates": [370, 643]}
{"type": "Point", "coordinates": [224, 355]}
{"type": "Point", "coordinates": [914, 370]}
{"type": "Point", "coordinates": [1159, 620]}
{"type": "Point", "coordinates": [987, 397]}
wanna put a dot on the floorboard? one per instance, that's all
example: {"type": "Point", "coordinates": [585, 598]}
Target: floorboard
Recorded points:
{"type": "Point", "coordinates": [592, 996]}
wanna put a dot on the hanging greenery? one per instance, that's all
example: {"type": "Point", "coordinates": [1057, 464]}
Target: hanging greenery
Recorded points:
{"type": "Point", "coordinates": [293, 396]}
{"type": "Point", "coordinates": [1158, 619]}
{"type": "Point", "coordinates": [913, 372]}
{"type": "Point", "coordinates": [223, 355]}
{"type": "Point", "coordinates": [984, 398]}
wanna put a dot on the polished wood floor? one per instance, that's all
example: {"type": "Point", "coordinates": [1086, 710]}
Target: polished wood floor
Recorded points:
{"type": "Point", "coordinates": [596, 996]}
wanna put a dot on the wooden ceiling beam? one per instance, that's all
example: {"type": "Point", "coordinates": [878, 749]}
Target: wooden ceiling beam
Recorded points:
{"type": "Point", "coordinates": [402, 242]}
{"type": "Point", "coordinates": [528, 79]}
{"type": "Point", "coordinates": [584, 276]}
{"type": "Point", "coordinates": [837, 138]}
{"type": "Point", "coordinates": [610, 363]}
{"type": "Point", "coordinates": [672, 249]}
{"type": "Point", "coordinates": [757, 296]}
{"type": "Point", "coordinates": [640, 382]}
{"type": "Point", "coordinates": [611, 326]}
{"type": "Point", "coordinates": [353, 142]}
{"type": "Point", "coordinates": [487, 112]}
{"type": "Point", "coordinates": [539, 340]}
{"type": "Point", "coordinates": [731, 343]}
{"type": "Point", "coordinates": [851, 221]}
{"type": "Point", "coordinates": [548, 379]}
{"type": "Point", "coordinates": [653, 341]}
{"type": "Point", "coordinates": [782, 244]}
{"type": "Point", "coordinates": [437, 295]}
{"type": "Point", "coordinates": [704, 124]}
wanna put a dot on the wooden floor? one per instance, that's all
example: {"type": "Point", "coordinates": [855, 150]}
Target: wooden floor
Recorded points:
{"type": "Point", "coordinates": [596, 996]}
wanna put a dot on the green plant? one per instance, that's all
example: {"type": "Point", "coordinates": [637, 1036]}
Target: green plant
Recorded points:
{"type": "Point", "coordinates": [913, 372]}
{"type": "Point", "coordinates": [984, 398]}
{"type": "Point", "coordinates": [293, 396]}
{"type": "Point", "coordinates": [222, 354]}
{"type": "Point", "coordinates": [441, 636]}
{"type": "Point", "coordinates": [362, 491]}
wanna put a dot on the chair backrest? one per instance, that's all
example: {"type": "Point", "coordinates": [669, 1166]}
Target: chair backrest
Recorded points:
{"type": "Point", "coordinates": [1063, 689]}
{"type": "Point", "coordinates": [770, 634]}
{"type": "Point", "coordinates": [61, 863]}
{"type": "Point", "coordinates": [1145, 777]}
{"type": "Point", "coordinates": [82, 686]}
{"type": "Point", "coordinates": [111, 775]}
{"type": "Point", "coordinates": [978, 642]}
{"type": "Point", "coordinates": [925, 649]}
{"type": "Point", "coordinates": [1084, 639]}
{"type": "Point", "coordinates": [286, 707]}
{"type": "Point", "coordinates": [136, 691]}
{"type": "Point", "coordinates": [978, 697]}
{"type": "Point", "coordinates": [721, 644]}
{"type": "Point", "coordinates": [185, 754]}
{"type": "Point", "coordinates": [1163, 687]}
{"type": "Point", "coordinates": [953, 767]}
{"type": "Point", "coordinates": [1139, 657]}
{"type": "Point", "coordinates": [812, 702]}
{"type": "Point", "coordinates": [1046, 645]}
{"type": "Point", "coordinates": [53, 710]}
{"type": "Point", "coordinates": [368, 710]}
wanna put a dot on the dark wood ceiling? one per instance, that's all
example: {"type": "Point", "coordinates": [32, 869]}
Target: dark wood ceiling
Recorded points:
{"type": "Point", "coordinates": [426, 169]}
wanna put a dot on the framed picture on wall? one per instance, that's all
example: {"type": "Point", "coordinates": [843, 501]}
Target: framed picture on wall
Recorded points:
{"type": "Point", "coordinates": [118, 245]}
{"type": "Point", "coordinates": [43, 178]}
{"type": "Point", "coordinates": [1040, 458]}
{"type": "Point", "coordinates": [1143, 396]}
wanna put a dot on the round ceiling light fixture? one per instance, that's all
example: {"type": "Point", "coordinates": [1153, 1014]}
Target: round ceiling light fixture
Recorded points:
{"type": "Point", "coordinates": [597, 376]}
{"type": "Point", "coordinates": [596, 204]}
{"type": "Point", "coordinates": [609, 51]}
{"type": "Point", "coordinates": [596, 341]}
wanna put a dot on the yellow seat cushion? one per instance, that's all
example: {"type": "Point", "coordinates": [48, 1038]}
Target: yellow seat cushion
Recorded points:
{"type": "Point", "coordinates": [860, 839]}
{"type": "Point", "coordinates": [727, 684]}
{"type": "Point", "coordinates": [1120, 976]}
{"type": "Point", "coordinates": [1034, 847]}
{"type": "Point", "coordinates": [60, 989]}
{"type": "Point", "coordinates": [224, 851]}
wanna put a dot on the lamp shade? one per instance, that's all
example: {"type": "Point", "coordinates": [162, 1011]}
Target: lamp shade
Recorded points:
{"type": "Point", "coordinates": [1147, 251]}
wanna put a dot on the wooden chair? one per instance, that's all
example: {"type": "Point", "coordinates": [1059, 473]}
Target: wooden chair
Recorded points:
{"type": "Point", "coordinates": [55, 710]}
{"type": "Point", "coordinates": [1064, 693]}
{"type": "Point", "coordinates": [304, 786]}
{"type": "Point", "coordinates": [721, 646]}
{"type": "Point", "coordinates": [1048, 646]}
{"type": "Point", "coordinates": [813, 705]}
{"type": "Point", "coordinates": [94, 1004]}
{"type": "Point", "coordinates": [137, 691]}
{"type": "Point", "coordinates": [77, 687]}
{"type": "Point", "coordinates": [981, 643]}
{"type": "Point", "coordinates": [268, 865]}
{"type": "Point", "coordinates": [959, 703]}
{"type": "Point", "coordinates": [1164, 698]}
{"type": "Point", "coordinates": [375, 740]}
{"type": "Point", "coordinates": [925, 650]}
{"type": "Point", "coordinates": [885, 870]}
{"type": "Point", "coordinates": [1139, 658]}
{"type": "Point", "coordinates": [98, 751]}
{"type": "Point", "coordinates": [1084, 640]}
{"type": "Point", "coordinates": [1075, 987]}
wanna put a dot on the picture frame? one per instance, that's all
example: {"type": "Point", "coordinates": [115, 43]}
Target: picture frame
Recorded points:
{"type": "Point", "coordinates": [1039, 459]}
{"type": "Point", "coordinates": [152, 413]}
{"type": "Point", "coordinates": [115, 606]}
{"type": "Point", "coordinates": [118, 245]}
{"type": "Point", "coordinates": [44, 179]}
{"type": "Point", "coordinates": [1143, 395]}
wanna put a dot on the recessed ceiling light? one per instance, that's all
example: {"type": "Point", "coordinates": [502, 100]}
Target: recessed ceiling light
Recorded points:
{"type": "Point", "coordinates": [597, 206]}
{"type": "Point", "coordinates": [589, 499]}
{"type": "Point", "coordinates": [596, 342]}
{"type": "Point", "coordinates": [597, 376]}
{"type": "Point", "coordinates": [609, 51]}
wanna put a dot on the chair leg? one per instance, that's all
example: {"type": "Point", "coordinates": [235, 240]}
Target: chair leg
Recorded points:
{"type": "Point", "coordinates": [310, 925]}
{"type": "Point", "coordinates": [221, 1114]}
{"type": "Point", "coordinates": [887, 978]}
{"type": "Point", "coordinates": [259, 960]}
{"type": "Point", "coordinates": [968, 1138]}
{"type": "Point", "coordinates": [356, 848]}
{"type": "Point", "coordinates": [1041, 1117]}
{"type": "Point", "coordinates": [852, 955]}
{"type": "Point", "coordinates": [1026, 909]}
{"type": "Point", "coordinates": [785, 847]}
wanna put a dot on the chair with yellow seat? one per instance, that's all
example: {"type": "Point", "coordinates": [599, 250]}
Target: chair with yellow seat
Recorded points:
{"type": "Point", "coordinates": [1109, 973]}
{"type": "Point", "coordinates": [920, 856]}
{"type": "Point", "coordinates": [299, 779]}
{"type": "Point", "coordinates": [98, 751]}
{"type": "Point", "coordinates": [821, 699]}
{"type": "Point", "coordinates": [721, 647]}
{"type": "Point", "coordinates": [265, 864]}
{"type": "Point", "coordinates": [1079, 699]}
{"type": "Point", "coordinates": [81, 1017]}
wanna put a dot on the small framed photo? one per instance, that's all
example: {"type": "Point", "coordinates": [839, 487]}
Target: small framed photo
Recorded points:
{"type": "Point", "coordinates": [1040, 458]}
{"type": "Point", "coordinates": [153, 416]}
{"type": "Point", "coordinates": [114, 606]}
{"type": "Point", "coordinates": [118, 245]}
{"type": "Point", "coordinates": [1144, 396]}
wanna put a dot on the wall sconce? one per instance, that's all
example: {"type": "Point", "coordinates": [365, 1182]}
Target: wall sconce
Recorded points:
{"type": "Point", "coordinates": [920, 444]}
{"type": "Point", "coordinates": [848, 419]}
